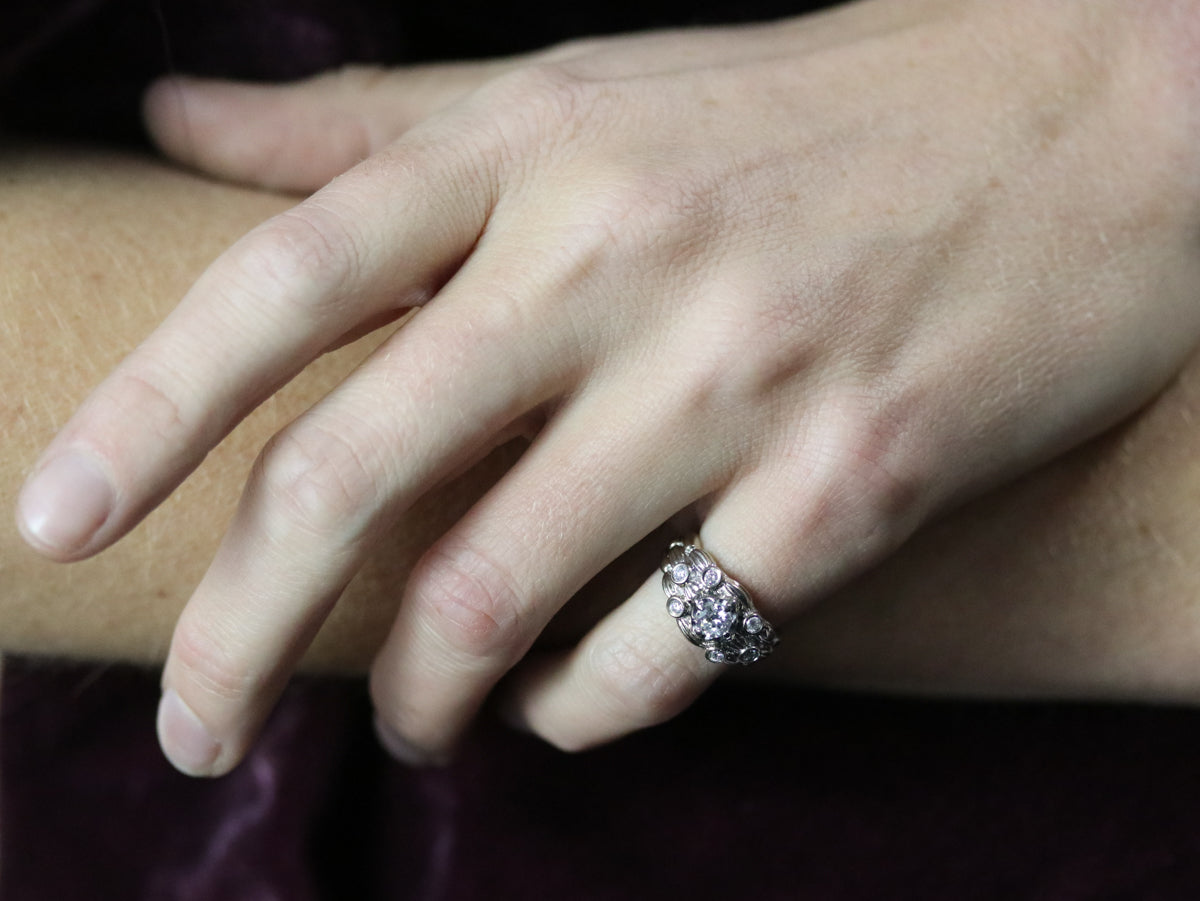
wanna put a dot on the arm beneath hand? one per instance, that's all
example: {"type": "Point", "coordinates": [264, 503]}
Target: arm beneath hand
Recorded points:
{"type": "Point", "coordinates": [1080, 579]}
{"type": "Point", "coordinates": [96, 249]}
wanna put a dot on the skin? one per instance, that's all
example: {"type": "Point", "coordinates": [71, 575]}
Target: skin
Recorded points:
{"type": "Point", "coordinates": [1100, 549]}
{"type": "Point", "coordinates": [997, 206]}
{"type": "Point", "coordinates": [98, 247]}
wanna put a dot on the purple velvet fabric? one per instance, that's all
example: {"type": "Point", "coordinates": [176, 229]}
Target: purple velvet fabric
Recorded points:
{"type": "Point", "coordinates": [755, 793]}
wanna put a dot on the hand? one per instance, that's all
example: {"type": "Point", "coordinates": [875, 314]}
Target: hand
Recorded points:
{"type": "Point", "coordinates": [803, 285]}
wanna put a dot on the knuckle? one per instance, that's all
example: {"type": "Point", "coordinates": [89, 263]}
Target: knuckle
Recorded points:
{"type": "Point", "coordinates": [640, 680]}
{"type": "Point", "coordinates": [546, 90]}
{"type": "Point", "coordinates": [655, 219]}
{"type": "Point", "coordinates": [536, 109]}
{"type": "Point", "coordinates": [877, 466]}
{"type": "Point", "coordinates": [320, 478]}
{"type": "Point", "coordinates": [149, 399]}
{"type": "Point", "coordinates": [208, 665]}
{"type": "Point", "coordinates": [474, 601]}
{"type": "Point", "coordinates": [496, 326]}
{"type": "Point", "coordinates": [679, 203]}
{"type": "Point", "coordinates": [870, 491]}
{"type": "Point", "coordinates": [306, 258]}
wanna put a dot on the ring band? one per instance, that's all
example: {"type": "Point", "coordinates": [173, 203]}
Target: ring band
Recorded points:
{"type": "Point", "coordinates": [713, 611]}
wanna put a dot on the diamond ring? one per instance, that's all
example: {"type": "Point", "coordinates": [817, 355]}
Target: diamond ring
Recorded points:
{"type": "Point", "coordinates": [714, 612]}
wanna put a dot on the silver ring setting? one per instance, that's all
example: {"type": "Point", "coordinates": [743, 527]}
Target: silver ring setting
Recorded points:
{"type": "Point", "coordinates": [713, 611]}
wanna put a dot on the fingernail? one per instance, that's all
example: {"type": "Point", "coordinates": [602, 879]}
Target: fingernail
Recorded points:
{"type": "Point", "coordinates": [403, 750]}
{"type": "Point", "coordinates": [184, 738]}
{"type": "Point", "coordinates": [63, 504]}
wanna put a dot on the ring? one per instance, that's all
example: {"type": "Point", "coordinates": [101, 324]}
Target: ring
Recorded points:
{"type": "Point", "coordinates": [714, 612]}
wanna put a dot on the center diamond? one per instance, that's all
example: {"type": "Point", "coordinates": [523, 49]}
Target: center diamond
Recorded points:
{"type": "Point", "coordinates": [714, 617]}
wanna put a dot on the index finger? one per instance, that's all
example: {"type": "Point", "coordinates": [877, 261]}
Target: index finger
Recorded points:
{"type": "Point", "coordinates": [380, 238]}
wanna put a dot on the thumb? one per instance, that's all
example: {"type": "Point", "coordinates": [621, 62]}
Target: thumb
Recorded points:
{"type": "Point", "coordinates": [298, 135]}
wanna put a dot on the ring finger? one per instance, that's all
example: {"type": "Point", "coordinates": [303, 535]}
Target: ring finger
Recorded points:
{"type": "Point", "coordinates": [575, 502]}
{"type": "Point", "coordinates": [635, 669]}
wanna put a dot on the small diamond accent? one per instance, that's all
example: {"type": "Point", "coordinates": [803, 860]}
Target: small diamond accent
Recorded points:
{"type": "Point", "coordinates": [715, 656]}
{"type": "Point", "coordinates": [677, 607]}
{"type": "Point", "coordinates": [679, 573]}
{"type": "Point", "coordinates": [749, 655]}
{"type": "Point", "coordinates": [711, 577]}
{"type": "Point", "coordinates": [753, 624]}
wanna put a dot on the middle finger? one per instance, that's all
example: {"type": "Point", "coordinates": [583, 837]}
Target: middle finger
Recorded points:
{"type": "Point", "coordinates": [434, 398]}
